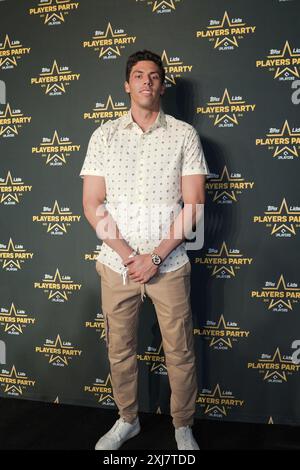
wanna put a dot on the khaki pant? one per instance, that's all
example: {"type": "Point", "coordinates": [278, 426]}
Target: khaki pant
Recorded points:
{"type": "Point", "coordinates": [170, 294]}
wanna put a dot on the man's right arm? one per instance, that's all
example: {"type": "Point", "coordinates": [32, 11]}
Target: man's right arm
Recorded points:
{"type": "Point", "coordinates": [94, 192]}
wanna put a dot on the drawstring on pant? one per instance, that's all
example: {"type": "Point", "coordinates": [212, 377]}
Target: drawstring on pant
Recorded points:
{"type": "Point", "coordinates": [124, 275]}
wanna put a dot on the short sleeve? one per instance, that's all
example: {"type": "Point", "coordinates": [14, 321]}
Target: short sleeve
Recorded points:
{"type": "Point", "coordinates": [194, 162]}
{"type": "Point", "coordinates": [94, 160]}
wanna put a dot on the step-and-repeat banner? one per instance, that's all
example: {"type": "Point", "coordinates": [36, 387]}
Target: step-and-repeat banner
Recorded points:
{"type": "Point", "coordinates": [232, 71]}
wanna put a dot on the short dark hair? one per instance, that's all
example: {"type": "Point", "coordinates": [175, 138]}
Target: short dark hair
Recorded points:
{"type": "Point", "coordinates": [145, 55]}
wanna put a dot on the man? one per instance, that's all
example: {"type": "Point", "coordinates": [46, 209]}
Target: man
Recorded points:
{"type": "Point", "coordinates": [143, 160]}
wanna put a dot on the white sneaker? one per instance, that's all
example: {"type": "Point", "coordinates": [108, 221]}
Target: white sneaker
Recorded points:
{"type": "Point", "coordinates": [118, 434]}
{"type": "Point", "coordinates": [185, 439]}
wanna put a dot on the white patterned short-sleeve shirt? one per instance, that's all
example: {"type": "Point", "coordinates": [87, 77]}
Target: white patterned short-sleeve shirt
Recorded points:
{"type": "Point", "coordinates": [142, 172]}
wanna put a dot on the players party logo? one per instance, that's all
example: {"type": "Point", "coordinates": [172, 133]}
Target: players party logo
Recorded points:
{"type": "Point", "coordinates": [55, 80]}
{"type": "Point", "coordinates": [12, 189]}
{"type": "Point", "coordinates": [56, 218]}
{"type": "Point", "coordinates": [225, 188]}
{"type": "Point", "coordinates": [13, 255]}
{"type": "Point", "coordinates": [110, 43]}
{"type": "Point", "coordinates": [217, 403]}
{"type": "Point", "coordinates": [11, 121]}
{"type": "Point", "coordinates": [282, 220]}
{"type": "Point", "coordinates": [284, 142]}
{"type": "Point", "coordinates": [226, 110]}
{"type": "Point", "coordinates": [53, 12]}
{"type": "Point", "coordinates": [283, 63]}
{"type": "Point", "coordinates": [103, 111]}
{"type": "Point", "coordinates": [224, 263]}
{"type": "Point", "coordinates": [278, 296]}
{"type": "Point", "coordinates": [55, 150]}
{"type": "Point", "coordinates": [226, 33]}
{"type": "Point", "coordinates": [11, 51]}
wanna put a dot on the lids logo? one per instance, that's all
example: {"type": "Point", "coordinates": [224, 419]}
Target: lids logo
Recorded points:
{"type": "Point", "coordinates": [14, 320]}
{"type": "Point", "coordinates": [11, 120]}
{"type": "Point", "coordinates": [155, 358]}
{"type": "Point", "coordinates": [226, 188]}
{"type": "Point", "coordinates": [14, 383]}
{"type": "Point", "coordinates": [224, 263]}
{"type": "Point", "coordinates": [284, 142]}
{"type": "Point", "coordinates": [283, 221]}
{"type": "Point", "coordinates": [11, 189]}
{"type": "Point", "coordinates": [110, 43]}
{"type": "Point", "coordinates": [276, 368]}
{"type": "Point", "coordinates": [56, 219]}
{"type": "Point", "coordinates": [217, 403]}
{"type": "Point", "coordinates": [58, 287]}
{"type": "Point", "coordinates": [110, 110]}
{"type": "Point", "coordinates": [221, 334]}
{"type": "Point", "coordinates": [102, 390]}
{"type": "Point", "coordinates": [54, 11]}
{"type": "Point", "coordinates": [55, 80]}
{"type": "Point", "coordinates": [226, 110]}
{"type": "Point", "coordinates": [10, 52]}
{"type": "Point", "coordinates": [225, 33]}
{"type": "Point", "coordinates": [59, 352]}
{"type": "Point", "coordinates": [12, 256]}
{"type": "Point", "coordinates": [55, 149]}
{"type": "Point", "coordinates": [283, 62]}
{"type": "Point", "coordinates": [280, 297]}
{"type": "Point", "coordinates": [174, 68]}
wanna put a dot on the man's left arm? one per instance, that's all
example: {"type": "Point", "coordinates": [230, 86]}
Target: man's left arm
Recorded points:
{"type": "Point", "coordinates": [193, 196]}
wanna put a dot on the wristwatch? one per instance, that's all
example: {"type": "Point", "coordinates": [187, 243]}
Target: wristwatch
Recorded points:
{"type": "Point", "coordinates": [156, 259]}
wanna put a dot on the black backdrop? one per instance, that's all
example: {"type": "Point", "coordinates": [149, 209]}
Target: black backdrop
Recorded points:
{"type": "Point", "coordinates": [233, 72]}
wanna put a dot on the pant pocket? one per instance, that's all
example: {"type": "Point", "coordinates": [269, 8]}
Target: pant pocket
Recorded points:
{"type": "Point", "coordinates": [176, 339]}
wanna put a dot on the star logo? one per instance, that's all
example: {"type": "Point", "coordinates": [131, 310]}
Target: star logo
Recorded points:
{"type": "Point", "coordinates": [55, 73]}
{"type": "Point", "coordinates": [283, 210]}
{"type": "Point", "coordinates": [224, 254]}
{"type": "Point", "coordinates": [14, 324]}
{"type": "Point", "coordinates": [59, 358]}
{"type": "Point", "coordinates": [286, 54]}
{"type": "Point", "coordinates": [226, 23]}
{"type": "Point", "coordinates": [285, 132]}
{"type": "Point", "coordinates": [18, 253]}
{"type": "Point", "coordinates": [221, 326]}
{"type": "Point", "coordinates": [281, 287]}
{"type": "Point", "coordinates": [10, 195]}
{"type": "Point", "coordinates": [163, 4]}
{"type": "Point", "coordinates": [14, 119]}
{"type": "Point", "coordinates": [15, 381]}
{"type": "Point", "coordinates": [8, 46]}
{"type": "Point", "coordinates": [276, 359]}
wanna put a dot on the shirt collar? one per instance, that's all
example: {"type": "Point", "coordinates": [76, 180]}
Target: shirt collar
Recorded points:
{"type": "Point", "coordinates": [160, 120]}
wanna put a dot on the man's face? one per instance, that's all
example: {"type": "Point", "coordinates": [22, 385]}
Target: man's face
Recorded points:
{"type": "Point", "coordinates": [144, 85]}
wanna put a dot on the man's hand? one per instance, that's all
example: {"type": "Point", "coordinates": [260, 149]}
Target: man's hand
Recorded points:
{"type": "Point", "coordinates": [141, 268]}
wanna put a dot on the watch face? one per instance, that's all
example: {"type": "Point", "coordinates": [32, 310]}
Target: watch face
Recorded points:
{"type": "Point", "coordinates": [156, 259]}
